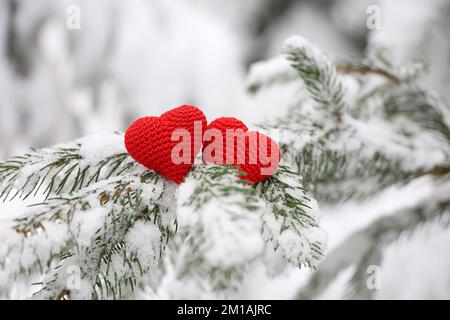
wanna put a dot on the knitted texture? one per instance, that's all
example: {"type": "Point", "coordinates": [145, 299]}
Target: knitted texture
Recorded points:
{"type": "Point", "coordinates": [149, 140]}
{"type": "Point", "coordinates": [251, 151]}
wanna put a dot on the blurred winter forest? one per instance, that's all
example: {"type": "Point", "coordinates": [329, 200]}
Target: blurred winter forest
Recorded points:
{"type": "Point", "coordinates": [141, 57]}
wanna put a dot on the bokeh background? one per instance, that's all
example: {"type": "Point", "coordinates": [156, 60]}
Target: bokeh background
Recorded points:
{"type": "Point", "coordinates": [140, 57]}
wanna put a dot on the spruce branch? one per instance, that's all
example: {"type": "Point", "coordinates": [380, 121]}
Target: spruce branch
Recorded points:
{"type": "Point", "coordinates": [379, 61]}
{"type": "Point", "coordinates": [106, 262]}
{"type": "Point", "coordinates": [64, 168]}
{"type": "Point", "coordinates": [95, 220]}
{"type": "Point", "coordinates": [291, 220]}
{"type": "Point", "coordinates": [377, 138]}
{"type": "Point", "coordinates": [422, 107]}
{"type": "Point", "coordinates": [94, 194]}
{"type": "Point", "coordinates": [219, 229]}
{"type": "Point", "coordinates": [340, 155]}
{"type": "Point", "coordinates": [225, 224]}
{"type": "Point", "coordinates": [339, 163]}
{"type": "Point", "coordinates": [366, 245]}
{"type": "Point", "coordinates": [413, 122]}
{"type": "Point", "coordinates": [318, 73]}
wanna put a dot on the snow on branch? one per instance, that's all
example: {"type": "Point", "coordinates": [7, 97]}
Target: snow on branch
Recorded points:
{"type": "Point", "coordinates": [106, 217]}
{"type": "Point", "coordinates": [367, 244]}
{"type": "Point", "coordinates": [387, 131]}
{"type": "Point", "coordinates": [93, 203]}
{"type": "Point", "coordinates": [268, 73]}
{"type": "Point", "coordinates": [225, 224]}
{"type": "Point", "coordinates": [64, 168]}
{"type": "Point", "coordinates": [422, 107]}
{"type": "Point", "coordinates": [390, 130]}
{"type": "Point", "coordinates": [219, 226]}
{"type": "Point", "coordinates": [291, 219]}
{"type": "Point", "coordinates": [318, 73]}
{"type": "Point", "coordinates": [97, 222]}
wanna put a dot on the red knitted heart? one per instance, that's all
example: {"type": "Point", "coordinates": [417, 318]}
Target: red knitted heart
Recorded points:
{"type": "Point", "coordinates": [256, 162]}
{"type": "Point", "coordinates": [149, 140]}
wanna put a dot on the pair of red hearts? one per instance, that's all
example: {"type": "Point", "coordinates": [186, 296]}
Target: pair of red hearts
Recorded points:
{"type": "Point", "coordinates": [149, 141]}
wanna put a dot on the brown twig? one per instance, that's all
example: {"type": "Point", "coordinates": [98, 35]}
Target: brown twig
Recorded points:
{"type": "Point", "coordinates": [368, 70]}
{"type": "Point", "coordinates": [437, 171]}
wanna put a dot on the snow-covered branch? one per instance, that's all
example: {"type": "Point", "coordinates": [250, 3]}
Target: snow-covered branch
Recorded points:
{"type": "Point", "coordinates": [377, 139]}
{"type": "Point", "coordinates": [365, 247]}
{"type": "Point", "coordinates": [103, 215]}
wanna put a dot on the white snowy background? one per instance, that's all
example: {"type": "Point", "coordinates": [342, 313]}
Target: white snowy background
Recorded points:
{"type": "Point", "coordinates": [134, 58]}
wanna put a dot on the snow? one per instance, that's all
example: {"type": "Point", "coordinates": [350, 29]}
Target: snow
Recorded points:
{"type": "Point", "coordinates": [83, 291]}
{"type": "Point", "coordinates": [294, 246]}
{"type": "Point", "coordinates": [140, 58]}
{"type": "Point", "coordinates": [144, 239]}
{"type": "Point", "coordinates": [356, 216]}
{"type": "Point", "coordinates": [429, 39]}
{"type": "Point", "coordinates": [234, 241]}
{"type": "Point", "coordinates": [416, 267]}
{"type": "Point", "coordinates": [337, 288]}
{"type": "Point", "coordinates": [295, 43]}
{"type": "Point", "coordinates": [97, 147]}
{"type": "Point", "coordinates": [86, 223]}
{"type": "Point", "coordinates": [376, 135]}
{"type": "Point", "coordinates": [271, 71]}
{"type": "Point", "coordinates": [230, 237]}
{"type": "Point", "coordinates": [398, 21]}
{"type": "Point", "coordinates": [19, 253]}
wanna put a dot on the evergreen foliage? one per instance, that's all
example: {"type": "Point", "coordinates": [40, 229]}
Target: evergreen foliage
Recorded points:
{"type": "Point", "coordinates": [353, 129]}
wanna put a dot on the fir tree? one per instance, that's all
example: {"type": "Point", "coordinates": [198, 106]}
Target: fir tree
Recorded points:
{"type": "Point", "coordinates": [103, 223]}
{"type": "Point", "coordinates": [354, 129]}
{"type": "Point", "coordinates": [121, 228]}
